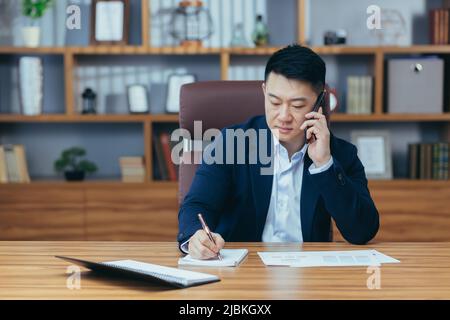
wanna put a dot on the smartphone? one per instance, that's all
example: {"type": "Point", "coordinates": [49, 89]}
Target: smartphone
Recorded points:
{"type": "Point", "coordinates": [317, 105]}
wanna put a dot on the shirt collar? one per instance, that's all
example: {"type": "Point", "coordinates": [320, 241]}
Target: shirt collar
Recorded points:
{"type": "Point", "coordinates": [296, 156]}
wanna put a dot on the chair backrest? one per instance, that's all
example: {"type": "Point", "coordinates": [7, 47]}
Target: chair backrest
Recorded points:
{"type": "Point", "coordinates": [217, 104]}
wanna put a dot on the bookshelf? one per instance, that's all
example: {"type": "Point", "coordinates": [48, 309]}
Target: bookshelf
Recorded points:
{"type": "Point", "coordinates": [222, 58]}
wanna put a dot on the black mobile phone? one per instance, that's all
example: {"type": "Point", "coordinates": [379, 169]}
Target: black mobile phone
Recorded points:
{"type": "Point", "coordinates": [316, 107]}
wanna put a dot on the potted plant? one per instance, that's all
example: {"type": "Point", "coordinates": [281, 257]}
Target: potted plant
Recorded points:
{"type": "Point", "coordinates": [33, 9]}
{"type": "Point", "coordinates": [73, 165]}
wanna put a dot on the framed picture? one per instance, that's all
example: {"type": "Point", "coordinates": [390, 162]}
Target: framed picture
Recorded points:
{"type": "Point", "coordinates": [374, 151]}
{"type": "Point", "coordinates": [176, 81]}
{"type": "Point", "coordinates": [137, 99]}
{"type": "Point", "coordinates": [109, 22]}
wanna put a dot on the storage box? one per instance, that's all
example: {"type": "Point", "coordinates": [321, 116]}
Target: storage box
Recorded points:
{"type": "Point", "coordinates": [415, 85]}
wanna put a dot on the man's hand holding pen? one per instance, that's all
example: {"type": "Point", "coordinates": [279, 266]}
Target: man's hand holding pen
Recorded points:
{"type": "Point", "coordinates": [201, 247]}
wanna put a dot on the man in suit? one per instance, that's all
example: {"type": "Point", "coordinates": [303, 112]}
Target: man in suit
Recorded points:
{"type": "Point", "coordinates": [312, 180]}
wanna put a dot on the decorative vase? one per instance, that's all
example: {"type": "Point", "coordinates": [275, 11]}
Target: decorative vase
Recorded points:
{"type": "Point", "coordinates": [74, 175]}
{"type": "Point", "coordinates": [260, 35]}
{"type": "Point", "coordinates": [31, 36]}
{"type": "Point", "coordinates": [31, 85]}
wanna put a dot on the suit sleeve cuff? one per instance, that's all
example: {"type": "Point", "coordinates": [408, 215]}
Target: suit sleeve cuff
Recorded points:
{"type": "Point", "coordinates": [185, 247]}
{"type": "Point", "coordinates": [314, 170]}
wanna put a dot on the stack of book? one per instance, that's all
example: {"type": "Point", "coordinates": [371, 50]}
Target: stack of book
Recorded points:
{"type": "Point", "coordinates": [165, 169]}
{"type": "Point", "coordinates": [13, 164]}
{"type": "Point", "coordinates": [439, 26]}
{"type": "Point", "coordinates": [359, 94]}
{"type": "Point", "coordinates": [429, 161]}
{"type": "Point", "coordinates": [132, 168]}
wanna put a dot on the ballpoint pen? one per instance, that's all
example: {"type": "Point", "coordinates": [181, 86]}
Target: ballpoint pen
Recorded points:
{"type": "Point", "coordinates": [208, 232]}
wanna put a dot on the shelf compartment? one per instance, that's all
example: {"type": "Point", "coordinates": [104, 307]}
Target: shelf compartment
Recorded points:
{"type": "Point", "coordinates": [53, 86]}
{"type": "Point", "coordinates": [109, 77]}
{"type": "Point", "coordinates": [105, 143]}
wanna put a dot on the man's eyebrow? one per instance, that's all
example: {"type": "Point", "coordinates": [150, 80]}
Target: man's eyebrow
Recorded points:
{"type": "Point", "coordinates": [293, 99]}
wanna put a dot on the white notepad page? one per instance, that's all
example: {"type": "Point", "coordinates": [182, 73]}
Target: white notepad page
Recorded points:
{"type": "Point", "coordinates": [185, 276]}
{"type": "Point", "coordinates": [230, 258]}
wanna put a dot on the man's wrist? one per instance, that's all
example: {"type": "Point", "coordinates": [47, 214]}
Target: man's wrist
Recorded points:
{"type": "Point", "coordinates": [315, 170]}
{"type": "Point", "coordinates": [321, 163]}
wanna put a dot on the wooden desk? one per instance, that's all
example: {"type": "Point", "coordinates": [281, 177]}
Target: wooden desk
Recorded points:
{"type": "Point", "coordinates": [29, 270]}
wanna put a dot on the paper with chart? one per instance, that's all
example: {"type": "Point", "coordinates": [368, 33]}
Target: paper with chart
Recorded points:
{"type": "Point", "coordinates": [326, 258]}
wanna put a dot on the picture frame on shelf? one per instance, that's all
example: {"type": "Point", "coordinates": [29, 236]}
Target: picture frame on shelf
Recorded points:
{"type": "Point", "coordinates": [175, 82]}
{"type": "Point", "coordinates": [374, 151]}
{"type": "Point", "coordinates": [137, 98]}
{"type": "Point", "coordinates": [110, 22]}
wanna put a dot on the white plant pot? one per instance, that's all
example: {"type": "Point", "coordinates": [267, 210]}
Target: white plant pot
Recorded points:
{"type": "Point", "coordinates": [31, 36]}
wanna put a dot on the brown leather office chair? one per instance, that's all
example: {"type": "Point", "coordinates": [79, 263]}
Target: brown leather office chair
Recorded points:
{"type": "Point", "coordinates": [217, 104]}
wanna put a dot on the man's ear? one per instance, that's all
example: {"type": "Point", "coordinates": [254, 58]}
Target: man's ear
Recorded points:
{"type": "Point", "coordinates": [264, 87]}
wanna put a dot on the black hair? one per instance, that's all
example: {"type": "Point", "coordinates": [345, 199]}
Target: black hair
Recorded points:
{"type": "Point", "coordinates": [298, 63]}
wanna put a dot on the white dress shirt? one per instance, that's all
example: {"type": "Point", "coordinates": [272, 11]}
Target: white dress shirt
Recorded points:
{"type": "Point", "coordinates": [283, 223]}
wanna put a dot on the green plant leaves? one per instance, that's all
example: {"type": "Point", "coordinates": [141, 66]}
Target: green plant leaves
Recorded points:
{"type": "Point", "coordinates": [70, 161]}
{"type": "Point", "coordinates": [35, 8]}
{"type": "Point", "coordinates": [87, 166]}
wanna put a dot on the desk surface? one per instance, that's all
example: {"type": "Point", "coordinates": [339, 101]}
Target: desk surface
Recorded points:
{"type": "Point", "coordinates": [29, 270]}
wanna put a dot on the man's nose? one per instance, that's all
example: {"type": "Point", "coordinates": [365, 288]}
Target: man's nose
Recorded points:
{"type": "Point", "coordinates": [285, 113]}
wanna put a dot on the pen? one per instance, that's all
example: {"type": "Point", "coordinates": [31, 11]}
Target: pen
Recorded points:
{"type": "Point", "coordinates": [206, 229]}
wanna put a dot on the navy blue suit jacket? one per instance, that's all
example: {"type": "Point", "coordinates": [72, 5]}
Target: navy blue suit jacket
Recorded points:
{"type": "Point", "coordinates": [234, 198]}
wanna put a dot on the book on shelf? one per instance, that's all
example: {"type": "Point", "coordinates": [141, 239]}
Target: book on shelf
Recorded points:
{"type": "Point", "coordinates": [160, 170]}
{"type": "Point", "coordinates": [439, 27]}
{"type": "Point", "coordinates": [359, 94]}
{"type": "Point", "coordinates": [132, 169]}
{"type": "Point", "coordinates": [13, 164]}
{"type": "Point", "coordinates": [166, 147]}
{"type": "Point", "coordinates": [164, 168]}
{"type": "Point", "coordinates": [429, 161]}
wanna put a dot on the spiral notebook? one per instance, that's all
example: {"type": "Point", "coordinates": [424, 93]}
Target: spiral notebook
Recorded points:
{"type": "Point", "coordinates": [147, 271]}
{"type": "Point", "coordinates": [230, 258]}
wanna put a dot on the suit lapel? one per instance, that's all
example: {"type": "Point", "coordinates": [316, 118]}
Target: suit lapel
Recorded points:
{"type": "Point", "coordinates": [309, 196]}
{"type": "Point", "coordinates": [262, 183]}
{"type": "Point", "coordinates": [308, 200]}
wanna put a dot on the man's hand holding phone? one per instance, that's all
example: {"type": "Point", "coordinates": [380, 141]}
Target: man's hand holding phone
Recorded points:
{"type": "Point", "coordinates": [318, 136]}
